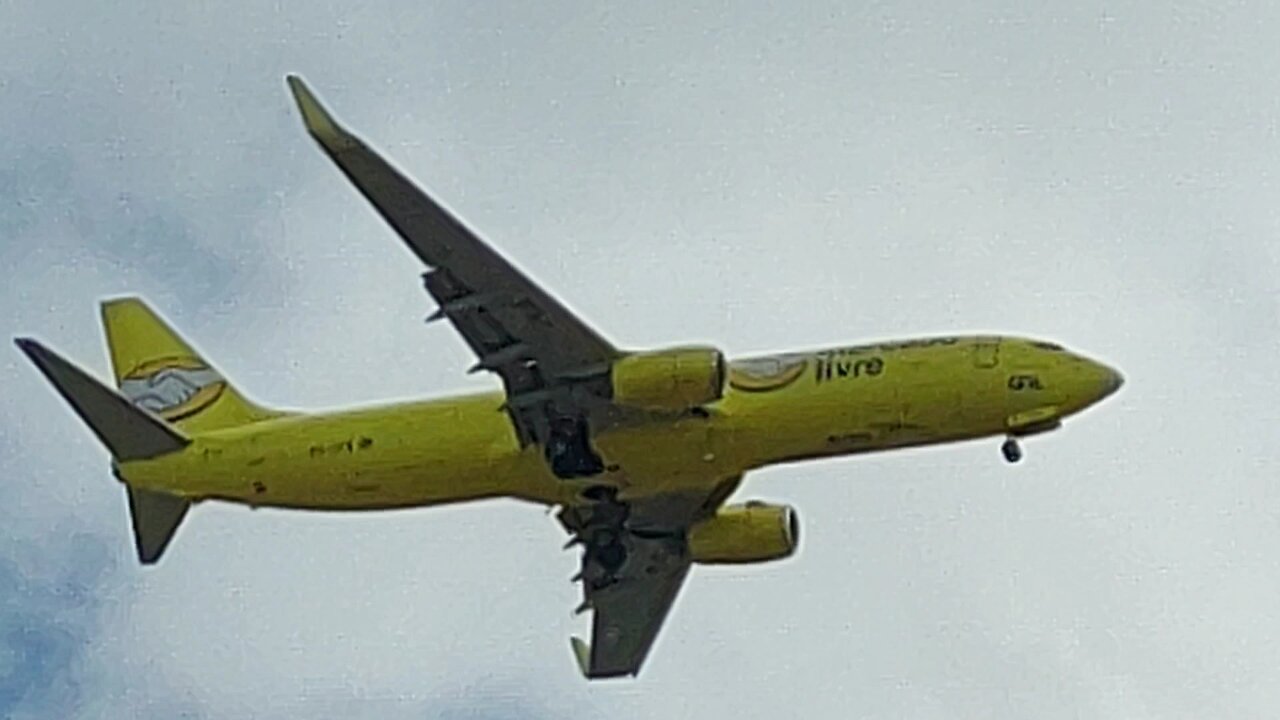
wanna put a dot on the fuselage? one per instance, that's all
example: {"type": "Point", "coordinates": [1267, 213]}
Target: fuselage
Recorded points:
{"type": "Point", "coordinates": [777, 408]}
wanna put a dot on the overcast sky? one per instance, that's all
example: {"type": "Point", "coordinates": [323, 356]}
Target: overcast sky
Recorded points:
{"type": "Point", "coordinates": [759, 176]}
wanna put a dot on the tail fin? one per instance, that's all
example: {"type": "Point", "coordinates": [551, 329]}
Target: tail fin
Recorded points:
{"type": "Point", "coordinates": [159, 371]}
{"type": "Point", "coordinates": [166, 391]}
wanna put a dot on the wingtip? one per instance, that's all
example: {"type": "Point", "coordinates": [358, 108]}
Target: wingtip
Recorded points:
{"type": "Point", "coordinates": [582, 652]}
{"type": "Point", "coordinates": [112, 300]}
{"type": "Point", "coordinates": [30, 346]}
{"type": "Point", "coordinates": [298, 88]}
{"type": "Point", "coordinates": [317, 120]}
{"type": "Point", "coordinates": [45, 360]}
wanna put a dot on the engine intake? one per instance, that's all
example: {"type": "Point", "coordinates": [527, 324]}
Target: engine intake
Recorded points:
{"type": "Point", "coordinates": [676, 379]}
{"type": "Point", "coordinates": [751, 533]}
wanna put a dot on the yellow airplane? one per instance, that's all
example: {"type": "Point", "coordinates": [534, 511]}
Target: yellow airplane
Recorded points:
{"type": "Point", "coordinates": [639, 450]}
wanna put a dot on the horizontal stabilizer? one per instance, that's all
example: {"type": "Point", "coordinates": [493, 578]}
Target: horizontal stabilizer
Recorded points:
{"type": "Point", "coordinates": [155, 517]}
{"type": "Point", "coordinates": [129, 432]}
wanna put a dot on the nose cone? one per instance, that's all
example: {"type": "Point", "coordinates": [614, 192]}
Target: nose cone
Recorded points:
{"type": "Point", "coordinates": [1099, 381]}
{"type": "Point", "coordinates": [1112, 380]}
{"type": "Point", "coordinates": [1086, 382]}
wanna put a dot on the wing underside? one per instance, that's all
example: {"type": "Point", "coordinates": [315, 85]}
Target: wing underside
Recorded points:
{"type": "Point", "coordinates": [629, 613]}
{"type": "Point", "coordinates": [635, 559]}
{"type": "Point", "coordinates": [551, 363]}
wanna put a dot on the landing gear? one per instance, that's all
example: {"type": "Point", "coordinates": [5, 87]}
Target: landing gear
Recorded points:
{"type": "Point", "coordinates": [568, 449]}
{"type": "Point", "coordinates": [601, 528]}
{"type": "Point", "coordinates": [1011, 450]}
{"type": "Point", "coordinates": [608, 550]}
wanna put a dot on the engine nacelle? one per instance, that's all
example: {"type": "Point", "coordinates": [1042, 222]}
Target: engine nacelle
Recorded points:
{"type": "Point", "coordinates": [676, 379]}
{"type": "Point", "coordinates": [751, 533]}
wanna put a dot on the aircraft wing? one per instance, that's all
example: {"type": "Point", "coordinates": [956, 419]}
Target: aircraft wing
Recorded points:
{"type": "Point", "coordinates": [629, 612]}
{"type": "Point", "coordinates": [536, 345]}
{"type": "Point", "coordinates": [635, 560]}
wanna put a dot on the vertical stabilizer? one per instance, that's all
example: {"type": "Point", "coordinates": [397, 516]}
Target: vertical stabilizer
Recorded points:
{"type": "Point", "coordinates": [159, 371]}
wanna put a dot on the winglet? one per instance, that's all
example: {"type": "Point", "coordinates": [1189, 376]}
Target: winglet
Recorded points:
{"type": "Point", "coordinates": [582, 651]}
{"type": "Point", "coordinates": [318, 121]}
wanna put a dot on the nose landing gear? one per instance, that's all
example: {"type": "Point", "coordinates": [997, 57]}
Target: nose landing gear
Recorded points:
{"type": "Point", "coordinates": [1011, 450]}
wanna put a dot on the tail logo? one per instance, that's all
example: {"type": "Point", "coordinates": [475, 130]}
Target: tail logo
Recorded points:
{"type": "Point", "coordinates": [173, 387]}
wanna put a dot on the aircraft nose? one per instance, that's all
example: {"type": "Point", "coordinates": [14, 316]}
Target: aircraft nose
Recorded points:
{"type": "Point", "coordinates": [1106, 379]}
{"type": "Point", "coordinates": [1090, 382]}
{"type": "Point", "coordinates": [1113, 380]}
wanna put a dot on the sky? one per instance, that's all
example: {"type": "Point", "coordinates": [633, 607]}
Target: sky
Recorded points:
{"type": "Point", "coordinates": [760, 176]}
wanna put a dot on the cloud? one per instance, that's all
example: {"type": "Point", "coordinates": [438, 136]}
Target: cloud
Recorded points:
{"type": "Point", "coordinates": [49, 618]}
{"type": "Point", "coordinates": [757, 176]}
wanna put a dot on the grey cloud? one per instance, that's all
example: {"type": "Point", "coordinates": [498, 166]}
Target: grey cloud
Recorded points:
{"type": "Point", "coordinates": [49, 617]}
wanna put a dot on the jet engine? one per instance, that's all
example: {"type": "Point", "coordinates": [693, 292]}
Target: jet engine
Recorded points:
{"type": "Point", "coordinates": [676, 379]}
{"type": "Point", "coordinates": [751, 533]}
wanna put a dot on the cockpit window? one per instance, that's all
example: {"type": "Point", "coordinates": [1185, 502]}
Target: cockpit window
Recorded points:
{"type": "Point", "coordinates": [1048, 346]}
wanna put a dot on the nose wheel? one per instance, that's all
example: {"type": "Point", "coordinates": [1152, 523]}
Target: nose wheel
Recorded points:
{"type": "Point", "coordinates": [1011, 450]}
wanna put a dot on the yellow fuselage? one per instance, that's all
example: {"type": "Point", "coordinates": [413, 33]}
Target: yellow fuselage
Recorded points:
{"type": "Point", "coordinates": [775, 409]}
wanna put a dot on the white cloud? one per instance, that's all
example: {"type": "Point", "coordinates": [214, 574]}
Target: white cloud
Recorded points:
{"type": "Point", "coordinates": [759, 177]}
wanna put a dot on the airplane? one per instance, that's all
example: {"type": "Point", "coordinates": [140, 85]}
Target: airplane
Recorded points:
{"type": "Point", "coordinates": [638, 452]}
